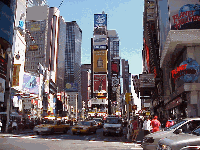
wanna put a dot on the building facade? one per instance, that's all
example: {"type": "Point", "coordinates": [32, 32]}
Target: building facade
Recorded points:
{"type": "Point", "coordinates": [72, 77]}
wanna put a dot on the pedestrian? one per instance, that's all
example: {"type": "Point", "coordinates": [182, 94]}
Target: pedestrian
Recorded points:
{"type": "Point", "coordinates": [155, 123]}
{"type": "Point", "coordinates": [169, 123]}
{"type": "Point", "coordinates": [147, 126]}
{"type": "Point", "coordinates": [135, 129]}
{"type": "Point", "coordinates": [14, 125]}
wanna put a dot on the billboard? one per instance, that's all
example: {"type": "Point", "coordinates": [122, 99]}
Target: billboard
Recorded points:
{"type": "Point", "coordinates": [16, 70]}
{"type": "Point", "coordinates": [31, 83]}
{"type": "Point", "coordinates": [147, 81]}
{"type": "Point", "coordinates": [37, 13]}
{"type": "Point", "coordinates": [115, 67]}
{"type": "Point", "coordinates": [71, 87]}
{"type": "Point", "coordinates": [100, 61]}
{"type": "Point", "coordinates": [100, 20]}
{"type": "Point", "coordinates": [100, 83]}
{"type": "Point", "coordinates": [184, 14]}
{"type": "Point", "coordinates": [7, 20]}
{"type": "Point", "coordinates": [100, 41]}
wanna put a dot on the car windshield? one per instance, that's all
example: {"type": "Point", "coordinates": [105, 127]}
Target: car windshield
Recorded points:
{"type": "Point", "coordinates": [97, 119]}
{"type": "Point", "coordinates": [84, 123]}
{"type": "Point", "coordinates": [175, 125]}
{"type": "Point", "coordinates": [112, 120]}
{"type": "Point", "coordinates": [196, 131]}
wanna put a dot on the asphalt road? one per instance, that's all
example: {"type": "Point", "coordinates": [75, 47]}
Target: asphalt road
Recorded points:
{"type": "Point", "coordinates": [56, 141]}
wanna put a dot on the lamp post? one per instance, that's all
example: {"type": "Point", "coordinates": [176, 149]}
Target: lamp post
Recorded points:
{"type": "Point", "coordinates": [9, 77]}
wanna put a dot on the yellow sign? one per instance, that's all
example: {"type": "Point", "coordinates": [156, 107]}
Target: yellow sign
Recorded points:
{"type": "Point", "coordinates": [33, 47]}
{"type": "Point", "coordinates": [100, 61]}
{"type": "Point", "coordinates": [128, 97]}
{"type": "Point", "coordinates": [35, 27]}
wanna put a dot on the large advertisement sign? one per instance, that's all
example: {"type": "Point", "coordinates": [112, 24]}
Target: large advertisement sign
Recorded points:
{"type": "Point", "coordinates": [100, 61]}
{"type": "Point", "coordinates": [188, 71]}
{"type": "Point", "coordinates": [37, 13]}
{"type": "Point", "coordinates": [184, 14]}
{"type": "Point", "coordinates": [147, 81]}
{"type": "Point", "coordinates": [100, 83]}
{"type": "Point", "coordinates": [31, 83]}
{"type": "Point", "coordinates": [100, 20]}
{"type": "Point", "coordinates": [71, 87]}
{"type": "Point", "coordinates": [2, 89]}
{"type": "Point", "coordinates": [7, 19]}
{"type": "Point", "coordinates": [115, 67]}
{"type": "Point", "coordinates": [16, 70]}
{"type": "Point", "coordinates": [100, 41]}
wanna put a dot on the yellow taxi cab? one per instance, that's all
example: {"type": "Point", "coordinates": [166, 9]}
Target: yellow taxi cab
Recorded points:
{"type": "Point", "coordinates": [51, 127]}
{"type": "Point", "coordinates": [85, 127]}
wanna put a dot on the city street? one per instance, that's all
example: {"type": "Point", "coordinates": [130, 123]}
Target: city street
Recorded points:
{"type": "Point", "coordinates": [65, 141]}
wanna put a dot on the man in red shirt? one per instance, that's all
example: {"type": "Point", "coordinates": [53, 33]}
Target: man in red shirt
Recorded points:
{"type": "Point", "coordinates": [169, 123]}
{"type": "Point", "coordinates": [155, 123]}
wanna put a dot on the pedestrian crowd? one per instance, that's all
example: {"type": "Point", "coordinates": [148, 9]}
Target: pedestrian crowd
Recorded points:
{"type": "Point", "coordinates": [147, 125]}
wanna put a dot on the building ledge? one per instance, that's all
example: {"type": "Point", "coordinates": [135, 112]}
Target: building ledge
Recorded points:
{"type": "Point", "coordinates": [177, 38]}
{"type": "Point", "coordinates": [186, 87]}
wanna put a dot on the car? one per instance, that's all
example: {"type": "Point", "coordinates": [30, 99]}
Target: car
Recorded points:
{"type": "Point", "coordinates": [51, 127]}
{"type": "Point", "coordinates": [85, 127]}
{"type": "Point", "coordinates": [150, 141]}
{"type": "Point", "coordinates": [112, 125]}
{"type": "Point", "coordinates": [181, 141]}
{"type": "Point", "coordinates": [99, 122]}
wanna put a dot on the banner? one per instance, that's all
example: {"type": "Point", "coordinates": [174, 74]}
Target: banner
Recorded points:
{"type": "Point", "coordinates": [16, 70]}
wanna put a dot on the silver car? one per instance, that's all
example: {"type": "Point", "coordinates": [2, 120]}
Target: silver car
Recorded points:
{"type": "Point", "coordinates": [150, 141]}
{"type": "Point", "coordinates": [181, 141]}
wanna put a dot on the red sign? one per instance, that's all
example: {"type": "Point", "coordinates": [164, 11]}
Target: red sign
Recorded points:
{"type": "Point", "coordinates": [100, 83]}
{"type": "Point", "coordinates": [115, 67]}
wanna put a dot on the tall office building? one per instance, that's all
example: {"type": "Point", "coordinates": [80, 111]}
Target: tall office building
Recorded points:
{"type": "Point", "coordinates": [73, 64]}
{"type": "Point", "coordinates": [36, 38]}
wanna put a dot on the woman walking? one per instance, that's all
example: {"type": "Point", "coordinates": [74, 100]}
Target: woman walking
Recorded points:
{"type": "Point", "coordinates": [135, 129]}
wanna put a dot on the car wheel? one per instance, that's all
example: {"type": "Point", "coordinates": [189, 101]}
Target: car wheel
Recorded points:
{"type": "Point", "coordinates": [104, 134]}
{"type": "Point", "coordinates": [65, 130]}
{"type": "Point", "coordinates": [52, 131]}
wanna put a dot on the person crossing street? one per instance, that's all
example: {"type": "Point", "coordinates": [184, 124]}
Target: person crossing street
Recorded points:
{"type": "Point", "coordinates": [155, 124]}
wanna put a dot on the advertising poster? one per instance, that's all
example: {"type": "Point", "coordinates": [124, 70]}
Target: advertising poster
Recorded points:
{"type": "Point", "coordinates": [31, 83]}
{"type": "Point", "coordinates": [114, 67]}
{"type": "Point", "coordinates": [7, 19]}
{"type": "Point", "coordinates": [71, 87]}
{"type": "Point", "coordinates": [100, 83]}
{"type": "Point", "coordinates": [100, 41]}
{"type": "Point", "coordinates": [100, 61]}
{"type": "Point", "coordinates": [16, 70]}
{"type": "Point", "coordinates": [2, 89]}
{"type": "Point", "coordinates": [100, 20]}
{"type": "Point", "coordinates": [184, 14]}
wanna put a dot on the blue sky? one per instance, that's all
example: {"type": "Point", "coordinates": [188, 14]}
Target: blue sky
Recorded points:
{"type": "Point", "coordinates": [124, 16]}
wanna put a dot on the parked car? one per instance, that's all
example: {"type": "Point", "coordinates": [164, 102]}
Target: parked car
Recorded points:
{"type": "Point", "coordinates": [113, 125]}
{"type": "Point", "coordinates": [51, 127]}
{"type": "Point", "coordinates": [150, 141]}
{"type": "Point", "coordinates": [181, 141]}
{"type": "Point", "coordinates": [84, 127]}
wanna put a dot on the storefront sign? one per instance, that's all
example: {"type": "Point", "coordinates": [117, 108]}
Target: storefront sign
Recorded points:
{"type": "Point", "coordinates": [188, 71]}
{"type": "Point", "coordinates": [184, 14]}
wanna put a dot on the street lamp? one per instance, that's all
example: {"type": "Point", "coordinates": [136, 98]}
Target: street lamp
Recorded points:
{"type": "Point", "coordinates": [9, 76]}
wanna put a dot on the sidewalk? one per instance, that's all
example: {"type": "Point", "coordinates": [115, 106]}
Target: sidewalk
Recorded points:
{"type": "Point", "coordinates": [25, 131]}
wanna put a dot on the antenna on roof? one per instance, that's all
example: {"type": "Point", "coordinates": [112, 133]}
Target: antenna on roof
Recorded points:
{"type": "Point", "coordinates": [103, 12]}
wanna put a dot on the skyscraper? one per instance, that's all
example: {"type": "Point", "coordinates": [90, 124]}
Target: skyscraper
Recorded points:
{"type": "Point", "coordinates": [72, 77]}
